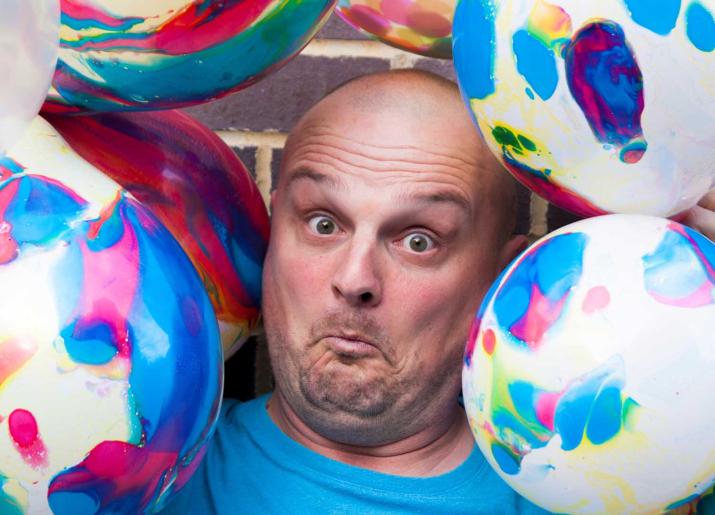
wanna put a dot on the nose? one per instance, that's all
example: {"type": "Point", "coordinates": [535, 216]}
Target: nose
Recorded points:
{"type": "Point", "coordinates": [357, 276]}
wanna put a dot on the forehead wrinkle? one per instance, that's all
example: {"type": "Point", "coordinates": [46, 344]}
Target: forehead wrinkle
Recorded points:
{"type": "Point", "coordinates": [306, 174]}
{"type": "Point", "coordinates": [384, 169]}
{"type": "Point", "coordinates": [327, 137]}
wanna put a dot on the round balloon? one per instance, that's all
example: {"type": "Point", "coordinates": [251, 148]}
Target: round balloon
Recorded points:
{"type": "Point", "coordinates": [123, 55]}
{"type": "Point", "coordinates": [419, 26]}
{"type": "Point", "coordinates": [29, 39]}
{"type": "Point", "coordinates": [588, 371]}
{"type": "Point", "coordinates": [110, 358]}
{"type": "Point", "coordinates": [598, 106]}
{"type": "Point", "coordinates": [199, 189]}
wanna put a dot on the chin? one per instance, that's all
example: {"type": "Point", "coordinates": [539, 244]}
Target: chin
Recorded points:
{"type": "Point", "coordinates": [351, 394]}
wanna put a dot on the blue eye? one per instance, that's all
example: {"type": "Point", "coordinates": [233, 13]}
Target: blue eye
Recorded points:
{"type": "Point", "coordinates": [418, 242]}
{"type": "Point", "coordinates": [322, 224]}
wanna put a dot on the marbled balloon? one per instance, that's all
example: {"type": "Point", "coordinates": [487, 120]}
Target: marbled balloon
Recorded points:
{"type": "Point", "coordinates": [587, 374]}
{"type": "Point", "coordinates": [110, 361]}
{"type": "Point", "coordinates": [597, 106]}
{"type": "Point", "coordinates": [199, 189]}
{"type": "Point", "coordinates": [161, 54]}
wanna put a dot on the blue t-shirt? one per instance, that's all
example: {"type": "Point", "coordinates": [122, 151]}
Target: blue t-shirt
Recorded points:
{"type": "Point", "coordinates": [251, 466]}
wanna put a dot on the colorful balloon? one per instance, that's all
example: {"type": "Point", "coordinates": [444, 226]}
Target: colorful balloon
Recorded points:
{"type": "Point", "coordinates": [136, 55]}
{"type": "Point", "coordinates": [29, 34]}
{"type": "Point", "coordinates": [199, 189]}
{"type": "Point", "coordinates": [420, 26]}
{"type": "Point", "coordinates": [588, 371]}
{"type": "Point", "coordinates": [597, 106]}
{"type": "Point", "coordinates": [110, 358]}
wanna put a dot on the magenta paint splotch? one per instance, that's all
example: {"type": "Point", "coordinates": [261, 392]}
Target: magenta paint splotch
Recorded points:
{"type": "Point", "coordinates": [534, 294]}
{"type": "Point", "coordinates": [606, 81]}
{"type": "Point", "coordinates": [25, 435]}
{"type": "Point", "coordinates": [540, 182]}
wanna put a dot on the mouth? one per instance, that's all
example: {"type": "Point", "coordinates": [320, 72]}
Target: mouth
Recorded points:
{"type": "Point", "coordinates": [351, 346]}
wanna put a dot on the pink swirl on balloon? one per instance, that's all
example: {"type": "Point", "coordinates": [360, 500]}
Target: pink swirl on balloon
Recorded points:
{"type": "Point", "coordinates": [396, 10]}
{"type": "Point", "coordinates": [13, 355]}
{"type": "Point", "coordinates": [596, 299]}
{"type": "Point", "coordinates": [25, 436]}
{"type": "Point", "coordinates": [124, 467]}
{"type": "Point", "coordinates": [95, 313]}
{"type": "Point", "coordinates": [369, 18]}
{"type": "Point", "coordinates": [88, 15]}
{"type": "Point", "coordinates": [169, 38]}
{"type": "Point", "coordinates": [429, 24]}
{"type": "Point", "coordinates": [540, 183]}
{"type": "Point", "coordinates": [9, 248]}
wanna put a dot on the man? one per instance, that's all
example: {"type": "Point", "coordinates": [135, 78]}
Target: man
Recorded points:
{"type": "Point", "coordinates": [390, 221]}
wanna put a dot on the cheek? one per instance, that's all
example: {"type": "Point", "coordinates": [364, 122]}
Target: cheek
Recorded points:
{"type": "Point", "coordinates": [292, 287]}
{"type": "Point", "coordinates": [439, 307]}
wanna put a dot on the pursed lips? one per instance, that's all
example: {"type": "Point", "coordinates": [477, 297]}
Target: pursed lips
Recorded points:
{"type": "Point", "coordinates": [351, 345]}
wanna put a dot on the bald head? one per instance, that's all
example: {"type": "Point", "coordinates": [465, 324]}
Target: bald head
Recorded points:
{"type": "Point", "coordinates": [413, 108]}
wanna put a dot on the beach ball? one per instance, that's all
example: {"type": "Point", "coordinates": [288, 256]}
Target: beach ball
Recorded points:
{"type": "Point", "coordinates": [199, 189]}
{"type": "Point", "coordinates": [110, 358]}
{"type": "Point", "coordinates": [588, 370]}
{"type": "Point", "coordinates": [420, 26]}
{"type": "Point", "coordinates": [599, 106]}
{"type": "Point", "coordinates": [128, 55]}
{"type": "Point", "coordinates": [29, 40]}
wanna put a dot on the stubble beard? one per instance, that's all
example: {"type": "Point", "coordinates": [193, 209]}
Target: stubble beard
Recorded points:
{"type": "Point", "coordinates": [339, 402]}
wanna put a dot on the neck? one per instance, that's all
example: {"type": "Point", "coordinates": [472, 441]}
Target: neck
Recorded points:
{"type": "Point", "coordinates": [435, 450]}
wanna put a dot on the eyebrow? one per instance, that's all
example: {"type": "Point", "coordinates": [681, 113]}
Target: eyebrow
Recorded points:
{"type": "Point", "coordinates": [440, 197]}
{"type": "Point", "coordinates": [317, 177]}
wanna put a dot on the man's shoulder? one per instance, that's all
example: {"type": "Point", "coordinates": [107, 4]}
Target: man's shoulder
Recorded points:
{"type": "Point", "coordinates": [235, 413]}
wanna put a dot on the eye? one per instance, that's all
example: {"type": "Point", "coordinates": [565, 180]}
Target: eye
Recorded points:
{"type": "Point", "coordinates": [322, 224]}
{"type": "Point", "coordinates": [418, 242]}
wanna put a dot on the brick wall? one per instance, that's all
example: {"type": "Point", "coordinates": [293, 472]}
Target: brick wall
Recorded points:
{"type": "Point", "coordinates": [255, 122]}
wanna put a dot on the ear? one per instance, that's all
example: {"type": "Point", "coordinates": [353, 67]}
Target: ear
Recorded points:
{"type": "Point", "coordinates": [512, 248]}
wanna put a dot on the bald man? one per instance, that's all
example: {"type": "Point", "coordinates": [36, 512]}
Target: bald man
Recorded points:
{"type": "Point", "coordinates": [390, 221]}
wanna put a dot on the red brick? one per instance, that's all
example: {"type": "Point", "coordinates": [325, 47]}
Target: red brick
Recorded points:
{"type": "Point", "coordinates": [248, 157]}
{"type": "Point", "coordinates": [276, 157]}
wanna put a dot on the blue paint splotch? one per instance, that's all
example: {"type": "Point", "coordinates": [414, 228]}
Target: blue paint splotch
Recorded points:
{"type": "Point", "coordinates": [659, 16]}
{"type": "Point", "coordinates": [592, 406]}
{"type": "Point", "coordinates": [35, 211]}
{"type": "Point", "coordinates": [681, 270]}
{"type": "Point", "coordinates": [700, 27]}
{"type": "Point", "coordinates": [474, 46]}
{"type": "Point", "coordinates": [536, 63]}
{"type": "Point", "coordinates": [607, 83]}
{"type": "Point", "coordinates": [534, 295]}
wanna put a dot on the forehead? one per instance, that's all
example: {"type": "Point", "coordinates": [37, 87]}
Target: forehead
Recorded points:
{"type": "Point", "coordinates": [384, 149]}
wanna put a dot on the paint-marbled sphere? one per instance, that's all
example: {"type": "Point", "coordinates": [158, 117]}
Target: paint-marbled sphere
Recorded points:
{"type": "Point", "coordinates": [28, 53]}
{"type": "Point", "coordinates": [601, 106]}
{"type": "Point", "coordinates": [110, 357]}
{"type": "Point", "coordinates": [128, 55]}
{"type": "Point", "coordinates": [199, 189]}
{"type": "Point", "coordinates": [588, 370]}
{"type": "Point", "coordinates": [420, 26]}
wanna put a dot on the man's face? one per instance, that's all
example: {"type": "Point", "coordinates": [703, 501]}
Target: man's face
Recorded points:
{"type": "Point", "coordinates": [382, 246]}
